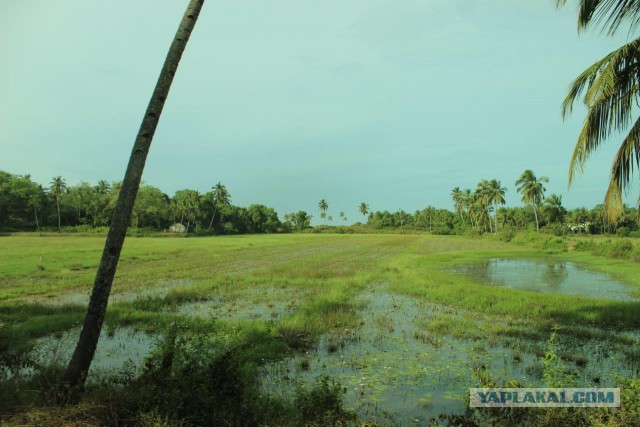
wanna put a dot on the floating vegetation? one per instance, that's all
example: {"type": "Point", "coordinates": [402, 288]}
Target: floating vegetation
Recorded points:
{"type": "Point", "coordinates": [411, 360]}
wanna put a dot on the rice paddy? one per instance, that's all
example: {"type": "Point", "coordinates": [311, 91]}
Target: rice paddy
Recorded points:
{"type": "Point", "coordinates": [404, 323]}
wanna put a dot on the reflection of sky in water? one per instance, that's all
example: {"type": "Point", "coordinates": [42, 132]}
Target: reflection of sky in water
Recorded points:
{"type": "Point", "coordinates": [396, 370]}
{"type": "Point", "coordinates": [557, 277]}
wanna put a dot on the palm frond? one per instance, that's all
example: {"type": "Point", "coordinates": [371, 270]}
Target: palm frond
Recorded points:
{"type": "Point", "coordinates": [628, 154]}
{"type": "Point", "coordinates": [613, 205]}
{"type": "Point", "coordinates": [609, 14]}
{"type": "Point", "coordinates": [612, 86]}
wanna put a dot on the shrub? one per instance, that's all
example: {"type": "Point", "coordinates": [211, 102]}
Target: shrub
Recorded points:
{"type": "Point", "coordinates": [622, 232]}
{"type": "Point", "coordinates": [322, 405]}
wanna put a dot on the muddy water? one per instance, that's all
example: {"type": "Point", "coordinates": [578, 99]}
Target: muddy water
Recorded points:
{"type": "Point", "coordinates": [397, 368]}
{"type": "Point", "coordinates": [405, 363]}
{"type": "Point", "coordinates": [549, 276]}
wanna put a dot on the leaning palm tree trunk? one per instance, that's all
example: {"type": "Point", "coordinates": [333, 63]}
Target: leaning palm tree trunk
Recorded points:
{"type": "Point", "coordinates": [76, 373]}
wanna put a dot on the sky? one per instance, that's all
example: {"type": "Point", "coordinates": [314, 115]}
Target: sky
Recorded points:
{"type": "Point", "coordinates": [286, 102]}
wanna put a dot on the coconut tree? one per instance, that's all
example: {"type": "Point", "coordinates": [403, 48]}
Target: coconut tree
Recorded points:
{"type": "Point", "coordinates": [484, 200]}
{"type": "Point", "coordinates": [75, 375]}
{"type": "Point", "coordinates": [479, 211]}
{"type": "Point", "coordinates": [35, 201]}
{"type": "Point", "coordinates": [553, 209]}
{"type": "Point", "coordinates": [343, 217]}
{"type": "Point", "coordinates": [482, 205]}
{"type": "Point", "coordinates": [496, 194]}
{"type": "Point", "coordinates": [103, 187]}
{"type": "Point", "coordinates": [58, 188]}
{"type": "Point", "coordinates": [532, 190]}
{"type": "Point", "coordinates": [220, 197]}
{"type": "Point", "coordinates": [364, 210]}
{"type": "Point", "coordinates": [611, 88]}
{"type": "Point", "coordinates": [322, 207]}
{"type": "Point", "coordinates": [458, 202]}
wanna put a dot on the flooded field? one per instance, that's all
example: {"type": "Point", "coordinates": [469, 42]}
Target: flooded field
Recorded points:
{"type": "Point", "coordinates": [116, 348]}
{"type": "Point", "coordinates": [408, 362]}
{"type": "Point", "coordinates": [405, 324]}
{"type": "Point", "coordinates": [549, 276]}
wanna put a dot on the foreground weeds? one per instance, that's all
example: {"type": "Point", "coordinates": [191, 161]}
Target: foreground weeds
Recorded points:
{"type": "Point", "coordinates": [191, 378]}
{"type": "Point", "coordinates": [226, 307]}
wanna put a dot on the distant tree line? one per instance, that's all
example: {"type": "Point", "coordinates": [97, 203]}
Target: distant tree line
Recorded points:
{"type": "Point", "coordinates": [476, 209]}
{"type": "Point", "coordinates": [481, 211]}
{"type": "Point", "coordinates": [26, 205]}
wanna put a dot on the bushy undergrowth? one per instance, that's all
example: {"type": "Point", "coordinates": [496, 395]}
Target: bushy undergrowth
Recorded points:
{"type": "Point", "coordinates": [191, 378]}
{"type": "Point", "coordinates": [621, 248]}
{"type": "Point", "coordinates": [540, 241]}
{"type": "Point", "coordinates": [612, 248]}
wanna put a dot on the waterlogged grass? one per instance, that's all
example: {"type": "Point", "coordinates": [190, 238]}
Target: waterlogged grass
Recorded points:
{"type": "Point", "coordinates": [382, 314]}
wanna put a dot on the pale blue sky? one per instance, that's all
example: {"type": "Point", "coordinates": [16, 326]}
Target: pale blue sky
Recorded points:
{"type": "Point", "coordinates": [392, 103]}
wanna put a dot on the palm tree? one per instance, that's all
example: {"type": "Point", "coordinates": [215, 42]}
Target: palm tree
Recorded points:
{"type": "Point", "coordinates": [532, 191]}
{"type": "Point", "coordinates": [611, 88]}
{"type": "Point", "coordinates": [103, 187]}
{"type": "Point", "coordinates": [58, 188]}
{"type": "Point", "coordinates": [75, 375]}
{"type": "Point", "coordinates": [323, 206]}
{"type": "Point", "coordinates": [466, 201]}
{"type": "Point", "coordinates": [220, 197]}
{"type": "Point", "coordinates": [34, 201]}
{"type": "Point", "coordinates": [458, 202]}
{"type": "Point", "coordinates": [496, 196]}
{"type": "Point", "coordinates": [430, 211]}
{"type": "Point", "coordinates": [364, 210]}
{"type": "Point", "coordinates": [553, 208]}
{"type": "Point", "coordinates": [342, 216]}
{"type": "Point", "coordinates": [482, 205]}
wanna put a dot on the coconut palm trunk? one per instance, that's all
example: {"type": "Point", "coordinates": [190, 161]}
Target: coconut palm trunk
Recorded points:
{"type": "Point", "coordinates": [75, 375]}
{"type": "Point", "coordinates": [58, 205]}
{"type": "Point", "coordinates": [212, 217]}
{"type": "Point", "coordinates": [35, 211]}
{"type": "Point", "coordinates": [535, 213]}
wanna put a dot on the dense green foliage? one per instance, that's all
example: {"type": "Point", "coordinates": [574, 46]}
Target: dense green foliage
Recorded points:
{"type": "Point", "coordinates": [26, 205]}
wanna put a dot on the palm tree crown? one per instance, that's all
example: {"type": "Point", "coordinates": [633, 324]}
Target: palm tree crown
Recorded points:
{"type": "Point", "coordinates": [58, 186]}
{"type": "Point", "coordinates": [532, 190]}
{"type": "Point", "coordinates": [220, 195]}
{"type": "Point", "coordinates": [323, 206]}
{"type": "Point", "coordinates": [611, 87]}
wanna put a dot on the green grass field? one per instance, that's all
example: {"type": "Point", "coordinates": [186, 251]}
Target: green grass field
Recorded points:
{"type": "Point", "coordinates": [305, 292]}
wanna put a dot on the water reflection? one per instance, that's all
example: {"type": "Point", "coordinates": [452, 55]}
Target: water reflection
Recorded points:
{"type": "Point", "coordinates": [550, 276]}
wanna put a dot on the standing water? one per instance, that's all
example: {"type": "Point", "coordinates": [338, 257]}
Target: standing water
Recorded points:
{"type": "Point", "coordinates": [548, 276]}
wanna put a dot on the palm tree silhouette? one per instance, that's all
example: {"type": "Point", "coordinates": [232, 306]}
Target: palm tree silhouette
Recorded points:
{"type": "Point", "coordinates": [323, 206]}
{"type": "Point", "coordinates": [58, 188]}
{"type": "Point", "coordinates": [220, 197]}
{"type": "Point", "coordinates": [532, 191]}
{"type": "Point", "coordinates": [364, 210]}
